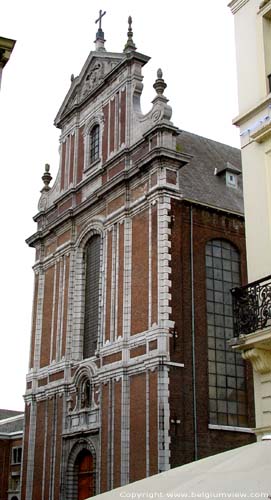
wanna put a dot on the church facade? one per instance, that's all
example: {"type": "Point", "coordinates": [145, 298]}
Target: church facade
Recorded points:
{"type": "Point", "coordinates": [138, 243]}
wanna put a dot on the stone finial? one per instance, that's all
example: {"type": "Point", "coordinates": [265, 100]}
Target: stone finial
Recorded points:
{"type": "Point", "coordinates": [159, 84]}
{"type": "Point", "coordinates": [46, 178]}
{"type": "Point", "coordinates": [72, 77]}
{"type": "Point", "coordinates": [130, 43]}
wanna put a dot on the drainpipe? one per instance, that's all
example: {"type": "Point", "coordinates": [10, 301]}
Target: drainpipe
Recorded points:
{"type": "Point", "coordinates": [193, 337]}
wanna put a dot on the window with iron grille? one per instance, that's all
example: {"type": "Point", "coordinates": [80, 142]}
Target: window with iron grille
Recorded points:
{"type": "Point", "coordinates": [92, 280]}
{"type": "Point", "coordinates": [226, 368]}
{"type": "Point", "coordinates": [94, 143]}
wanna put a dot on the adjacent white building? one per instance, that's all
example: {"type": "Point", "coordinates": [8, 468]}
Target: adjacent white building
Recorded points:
{"type": "Point", "coordinates": [253, 302]}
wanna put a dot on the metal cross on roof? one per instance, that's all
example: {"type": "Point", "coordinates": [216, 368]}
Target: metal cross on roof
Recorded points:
{"type": "Point", "coordinates": [100, 19]}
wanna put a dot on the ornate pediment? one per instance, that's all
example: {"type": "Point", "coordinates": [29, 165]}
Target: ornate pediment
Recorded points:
{"type": "Point", "coordinates": [92, 75]}
{"type": "Point", "coordinates": [93, 78]}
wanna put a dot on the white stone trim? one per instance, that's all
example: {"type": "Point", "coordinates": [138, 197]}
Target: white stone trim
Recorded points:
{"type": "Point", "coordinates": [127, 276]}
{"type": "Point", "coordinates": [11, 435]}
{"type": "Point", "coordinates": [164, 258]}
{"type": "Point", "coordinates": [72, 271]}
{"type": "Point", "coordinates": [163, 420]}
{"type": "Point", "coordinates": [231, 428]}
{"type": "Point", "coordinates": [147, 424]}
{"type": "Point", "coordinates": [116, 282]}
{"type": "Point", "coordinates": [150, 267]}
{"type": "Point", "coordinates": [76, 144]}
{"type": "Point", "coordinates": [125, 430]}
{"type": "Point", "coordinates": [113, 285]}
{"type": "Point", "coordinates": [61, 293]}
{"type": "Point", "coordinates": [236, 5]}
{"type": "Point", "coordinates": [112, 421]}
{"type": "Point", "coordinates": [53, 314]}
{"type": "Point", "coordinates": [39, 319]}
{"type": "Point", "coordinates": [44, 449]}
{"type": "Point", "coordinates": [31, 450]}
{"type": "Point", "coordinates": [67, 162]}
{"type": "Point", "coordinates": [105, 280]}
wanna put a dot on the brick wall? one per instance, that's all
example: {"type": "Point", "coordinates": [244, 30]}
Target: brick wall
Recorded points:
{"type": "Point", "coordinates": [140, 273]}
{"type": "Point", "coordinates": [206, 225]}
{"type": "Point", "coordinates": [4, 467]}
{"type": "Point", "coordinates": [137, 427]}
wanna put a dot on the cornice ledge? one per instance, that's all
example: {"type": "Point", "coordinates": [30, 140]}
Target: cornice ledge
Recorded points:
{"type": "Point", "coordinates": [260, 106]}
{"type": "Point", "coordinates": [260, 359]}
{"type": "Point", "coordinates": [236, 5]}
{"type": "Point", "coordinates": [262, 134]}
{"type": "Point", "coordinates": [263, 4]}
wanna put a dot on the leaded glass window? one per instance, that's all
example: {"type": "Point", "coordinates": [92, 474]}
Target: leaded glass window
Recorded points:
{"type": "Point", "coordinates": [226, 368]}
{"type": "Point", "coordinates": [94, 143]}
{"type": "Point", "coordinates": [92, 280]}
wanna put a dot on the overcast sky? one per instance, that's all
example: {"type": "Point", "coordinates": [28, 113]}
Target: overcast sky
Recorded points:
{"type": "Point", "coordinates": [193, 43]}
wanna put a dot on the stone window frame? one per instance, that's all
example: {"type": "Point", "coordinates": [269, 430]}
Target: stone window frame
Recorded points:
{"type": "Point", "coordinates": [70, 481]}
{"type": "Point", "coordinates": [94, 227]}
{"type": "Point", "coordinates": [94, 143]}
{"type": "Point", "coordinates": [92, 123]}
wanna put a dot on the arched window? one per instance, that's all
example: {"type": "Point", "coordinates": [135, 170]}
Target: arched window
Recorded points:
{"type": "Point", "coordinates": [92, 281]}
{"type": "Point", "coordinates": [94, 143]}
{"type": "Point", "coordinates": [226, 369]}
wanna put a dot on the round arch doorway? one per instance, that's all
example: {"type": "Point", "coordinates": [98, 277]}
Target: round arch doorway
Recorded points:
{"type": "Point", "coordinates": [85, 475]}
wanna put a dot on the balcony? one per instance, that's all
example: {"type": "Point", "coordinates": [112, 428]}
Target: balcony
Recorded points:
{"type": "Point", "coordinates": [252, 307]}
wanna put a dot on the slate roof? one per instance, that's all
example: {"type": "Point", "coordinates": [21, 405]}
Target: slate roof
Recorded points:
{"type": "Point", "coordinates": [9, 413]}
{"type": "Point", "coordinates": [197, 179]}
{"type": "Point", "coordinates": [9, 422]}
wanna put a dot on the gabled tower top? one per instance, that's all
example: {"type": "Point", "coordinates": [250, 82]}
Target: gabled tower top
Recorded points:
{"type": "Point", "coordinates": [99, 42]}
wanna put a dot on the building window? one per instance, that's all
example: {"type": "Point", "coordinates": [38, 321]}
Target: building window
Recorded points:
{"type": "Point", "coordinates": [16, 455]}
{"type": "Point", "coordinates": [226, 369]}
{"type": "Point", "coordinates": [92, 282]}
{"type": "Point", "coordinates": [231, 179]}
{"type": "Point", "coordinates": [94, 143]}
{"type": "Point", "coordinates": [14, 482]}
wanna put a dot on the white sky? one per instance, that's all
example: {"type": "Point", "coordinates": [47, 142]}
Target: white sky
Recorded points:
{"type": "Point", "coordinates": [192, 41]}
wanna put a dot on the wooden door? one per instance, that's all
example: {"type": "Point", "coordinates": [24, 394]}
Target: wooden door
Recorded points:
{"type": "Point", "coordinates": [85, 476]}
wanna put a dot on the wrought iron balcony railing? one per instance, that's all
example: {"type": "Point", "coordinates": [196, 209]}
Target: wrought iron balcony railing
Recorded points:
{"type": "Point", "coordinates": [252, 307]}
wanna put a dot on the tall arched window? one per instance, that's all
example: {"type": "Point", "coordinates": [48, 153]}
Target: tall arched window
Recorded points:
{"type": "Point", "coordinates": [94, 143]}
{"type": "Point", "coordinates": [227, 388]}
{"type": "Point", "coordinates": [92, 280]}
